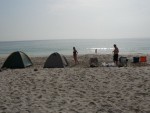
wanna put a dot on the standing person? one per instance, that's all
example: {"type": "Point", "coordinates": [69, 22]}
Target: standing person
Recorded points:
{"type": "Point", "coordinates": [116, 52]}
{"type": "Point", "coordinates": [75, 52]}
{"type": "Point", "coordinates": [96, 51]}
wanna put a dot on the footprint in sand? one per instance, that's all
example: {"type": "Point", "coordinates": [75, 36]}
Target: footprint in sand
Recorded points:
{"type": "Point", "coordinates": [73, 111]}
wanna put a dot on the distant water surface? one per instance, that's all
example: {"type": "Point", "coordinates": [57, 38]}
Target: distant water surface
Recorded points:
{"type": "Point", "coordinates": [84, 46]}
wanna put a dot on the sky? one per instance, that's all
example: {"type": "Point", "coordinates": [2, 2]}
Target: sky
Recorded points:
{"type": "Point", "coordinates": [73, 19]}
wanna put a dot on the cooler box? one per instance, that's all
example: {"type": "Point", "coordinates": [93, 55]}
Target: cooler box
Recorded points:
{"type": "Point", "coordinates": [143, 59]}
{"type": "Point", "coordinates": [123, 61]}
{"type": "Point", "coordinates": [135, 59]}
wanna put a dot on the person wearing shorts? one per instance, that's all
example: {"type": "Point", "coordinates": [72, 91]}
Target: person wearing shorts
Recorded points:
{"type": "Point", "coordinates": [115, 56]}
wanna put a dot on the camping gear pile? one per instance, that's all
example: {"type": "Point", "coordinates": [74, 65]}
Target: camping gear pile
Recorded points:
{"type": "Point", "coordinates": [141, 59]}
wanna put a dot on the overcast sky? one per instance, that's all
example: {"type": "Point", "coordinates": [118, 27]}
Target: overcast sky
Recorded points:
{"type": "Point", "coordinates": [74, 19]}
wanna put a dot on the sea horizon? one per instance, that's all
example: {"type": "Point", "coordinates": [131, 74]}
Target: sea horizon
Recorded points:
{"type": "Point", "coordinates": [84, 46]}
{"type": "Point", "coordinates": [75, 39]}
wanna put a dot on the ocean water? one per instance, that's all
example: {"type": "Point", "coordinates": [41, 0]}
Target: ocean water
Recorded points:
{"type": "Point", "coordinates": [83, 46]}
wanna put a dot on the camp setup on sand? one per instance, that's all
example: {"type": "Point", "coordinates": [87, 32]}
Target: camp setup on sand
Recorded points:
{"type": "Point", "coordinates": [16, 60]}
{"type": "Point", "coordinates": [55, 60]}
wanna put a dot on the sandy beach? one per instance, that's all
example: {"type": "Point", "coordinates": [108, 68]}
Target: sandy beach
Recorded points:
{"type": "Point", "coordinates": [76, 88]}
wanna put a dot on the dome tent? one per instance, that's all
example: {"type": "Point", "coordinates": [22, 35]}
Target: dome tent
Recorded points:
{"type": "Point", "coordinates": [55, 60]}
{"type": "Point", "coordinates": [16, 60]}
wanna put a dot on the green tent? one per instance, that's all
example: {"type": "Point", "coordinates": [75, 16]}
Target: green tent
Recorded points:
{"type": "Point", "coordinates": [56, 60]}
{"type": "Point", "coordinates": [17, 59]}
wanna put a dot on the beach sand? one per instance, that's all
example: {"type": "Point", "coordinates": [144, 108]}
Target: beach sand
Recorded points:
{"type": "Point", "coordinates": [76, 88]}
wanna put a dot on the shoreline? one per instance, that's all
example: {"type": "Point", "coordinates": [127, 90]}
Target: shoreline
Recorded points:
{"type": "Point", "coordinates": [70, 54]}
{"type": "Point", "coordinates": [85, 58]}
{"type": "Point", "coordinates": [126, 54]}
